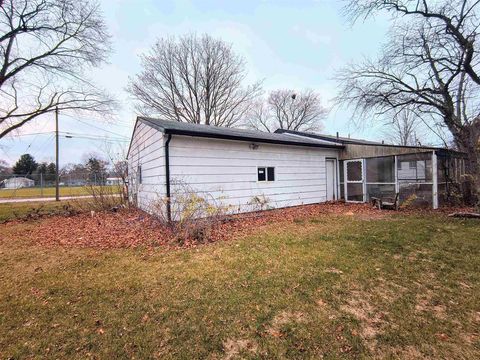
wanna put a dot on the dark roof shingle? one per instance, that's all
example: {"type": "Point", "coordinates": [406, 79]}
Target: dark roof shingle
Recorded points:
{"type": "Point", "coordinates": [208, 131]}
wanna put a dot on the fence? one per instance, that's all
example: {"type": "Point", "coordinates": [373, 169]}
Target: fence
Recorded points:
{"type": "Point", "coordinates": [43, 185]}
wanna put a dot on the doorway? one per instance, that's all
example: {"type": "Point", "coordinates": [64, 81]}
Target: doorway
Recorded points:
{"type": "Point", "coordinates": [354, 180]}
{"type": "Point", "coordinates": [331, 173]}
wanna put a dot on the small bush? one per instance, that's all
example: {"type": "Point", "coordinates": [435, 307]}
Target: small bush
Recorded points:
{"type": "Point", "coordinates": [101, 198]}
{"type": "Point", "coordinates": [192, 216]}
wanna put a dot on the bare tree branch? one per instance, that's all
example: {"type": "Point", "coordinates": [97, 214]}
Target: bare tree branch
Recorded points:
{"type": "Point", "coordinates": [286, 109]}
{"type": "Point", "coordinates": [45, 48]}
{"type": "Point", "coordinates": [430, 66]}
{"type": "Point", "coordinates": [195, 79]}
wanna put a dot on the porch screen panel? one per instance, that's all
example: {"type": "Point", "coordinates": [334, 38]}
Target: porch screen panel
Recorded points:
{"type": "Point", "coordinates": [380, 177]}
{"type": "Point", "coordinates": [450, 175]}
{"type": "Point", "coordinates": [415, 179]}
{"type": "Point", "coordinates": [355, 191]}
{"type": "Point", "coordinates": [354, 171]}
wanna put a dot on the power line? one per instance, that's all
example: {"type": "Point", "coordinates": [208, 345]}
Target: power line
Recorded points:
{"type": "Point", "coordinates": [99, 128]}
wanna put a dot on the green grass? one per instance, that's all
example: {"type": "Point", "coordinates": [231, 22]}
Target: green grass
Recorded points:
{"type": "Point", "coordinates": [35, 192]}
{"type": "Point", "coordinates": [333, 286]}
{"type": "Point", "coordinates": [10, 211]}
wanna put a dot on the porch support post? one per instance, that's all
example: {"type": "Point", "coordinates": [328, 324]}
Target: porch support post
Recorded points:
{"type": "Point", "coordinates": [395, 172]}
{"type": "Point", "coordinates": [337, 179]}
{"type": "Point", "coordinates": [435, 180]}
{"type": "Point", "coordinates": [364, 176]}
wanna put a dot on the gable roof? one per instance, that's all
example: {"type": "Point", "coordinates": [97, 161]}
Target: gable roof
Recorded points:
{"type": "Point", "coordinates": [217, 132]}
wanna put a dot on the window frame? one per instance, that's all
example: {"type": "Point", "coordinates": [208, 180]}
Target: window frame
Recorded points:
{"type": "Point", "coordinates": [139, 174]}
{"type": "Point", "coordinates": [266, 174]}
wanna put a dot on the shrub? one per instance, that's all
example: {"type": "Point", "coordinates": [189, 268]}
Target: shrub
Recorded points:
{"type": "Point", "coordinates": [192, 216]}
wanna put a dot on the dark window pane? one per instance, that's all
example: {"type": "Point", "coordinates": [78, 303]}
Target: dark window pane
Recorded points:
{"type": "Point", "coordinates": [354, 171]}
{"type": "Point", "coordinates": [340, 165]}
{"type": "Point", "coordinates": [139, 174]}
{"type": "Point", "coordinates": [271, 174]}
{"type": "Point", "coordinates": [261, 174]}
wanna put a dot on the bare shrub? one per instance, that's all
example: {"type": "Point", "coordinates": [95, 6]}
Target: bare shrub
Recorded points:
{"type": "Point", "coordinates": [192, 215]}
{"type": "Point", "coordinates": [260, 203]}
{"type": "Point", "coordinates": [101, 198]}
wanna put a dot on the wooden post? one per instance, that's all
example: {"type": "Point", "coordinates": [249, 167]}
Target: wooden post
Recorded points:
{"type": "Point", "coordinates": [57, 190]}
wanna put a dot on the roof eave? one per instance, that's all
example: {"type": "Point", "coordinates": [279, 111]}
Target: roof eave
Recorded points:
{"type": "Point", "coordinates": [234, 137]}
{"type": "Point", "coordinates": [248, 138]}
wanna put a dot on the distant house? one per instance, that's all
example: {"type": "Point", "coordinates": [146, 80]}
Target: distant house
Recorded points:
{"type": "Point", "coordinates": [17, 183]}
{"type": "Point", "coordinates": [237, 167]}
{"type": "Point", "coordinates": [113, 181]}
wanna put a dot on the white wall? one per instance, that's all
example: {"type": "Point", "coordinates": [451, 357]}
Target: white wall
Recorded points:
{"type": "Point", "coordinates": [227, 170]}
{"type": "Point", "coordinates": [147, 149]}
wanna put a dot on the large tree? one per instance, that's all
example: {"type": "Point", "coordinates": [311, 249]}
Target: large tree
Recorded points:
{"type": "Point", "coordinates": [46, 48]}
{"type": "Point", "coordinates": [289, 110]}
{"type": "Point", "coordinates": [26, 165]}
{"type": "Point", "coordinates": [430, 66]}
{"type": "Point", "coordinates": [194, 79]}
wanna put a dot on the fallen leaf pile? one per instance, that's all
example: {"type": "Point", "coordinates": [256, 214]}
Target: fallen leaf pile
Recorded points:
{"type": "Point", "coordinates": [133, 228]}
{"type": "Point", "coordinates": [126, 228]}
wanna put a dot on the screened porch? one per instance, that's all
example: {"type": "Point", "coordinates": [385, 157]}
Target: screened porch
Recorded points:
{"type": "Point", "coordinates": [422, 179]}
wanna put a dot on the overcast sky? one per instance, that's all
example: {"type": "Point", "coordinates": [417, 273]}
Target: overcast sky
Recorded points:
{"type": "Point", "coordinates": [289, 44]}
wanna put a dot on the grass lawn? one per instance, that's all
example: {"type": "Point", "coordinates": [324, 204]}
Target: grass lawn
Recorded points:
{"type": "Point", "coordinates": [50, 191]}
{"type": "Point", "coordinates": [330, 286]}
{"type": "Point", "coordinates": [10, 211]}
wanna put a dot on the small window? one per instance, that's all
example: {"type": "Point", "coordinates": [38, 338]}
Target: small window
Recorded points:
{"type": "Point", "coordinates": [139, 174]}
{"type": "Point", "coordinates": [266, 174]}
{"type": "Point", "coordinates": [412, 164]}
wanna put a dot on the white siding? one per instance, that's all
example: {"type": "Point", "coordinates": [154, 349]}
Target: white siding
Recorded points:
{"type": "Point", "coordinates": [227, 171]}
{"type": "Point", "coordinates": [148, 151]}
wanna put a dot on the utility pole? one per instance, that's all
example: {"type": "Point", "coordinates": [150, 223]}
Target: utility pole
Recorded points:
{"type": "Point", "coordinates": [57, 192]}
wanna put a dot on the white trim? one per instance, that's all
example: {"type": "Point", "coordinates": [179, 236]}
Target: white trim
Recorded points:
{"type": "Point", "coordinates": [335, 177]}
{"type": "Point", "coordinates": [346, 181]}
{"type": "Point", "coordinates": [435, 180]}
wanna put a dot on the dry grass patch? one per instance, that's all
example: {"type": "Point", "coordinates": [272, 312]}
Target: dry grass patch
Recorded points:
{"type": "Point", "coordinates": [275, 291]}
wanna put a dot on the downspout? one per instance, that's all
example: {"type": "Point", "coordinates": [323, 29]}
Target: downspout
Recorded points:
{"type": "Point", "coordinates": [167, 177]}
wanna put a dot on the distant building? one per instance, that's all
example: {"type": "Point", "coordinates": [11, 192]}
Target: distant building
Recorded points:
{"type": "Point", "coordinates": [17, 183]}
{"type": "Point", "coordinates": [113, 181]}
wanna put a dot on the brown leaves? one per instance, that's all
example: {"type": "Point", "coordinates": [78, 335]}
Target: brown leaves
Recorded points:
{"type": "Point", "coordinates": [134, 228]}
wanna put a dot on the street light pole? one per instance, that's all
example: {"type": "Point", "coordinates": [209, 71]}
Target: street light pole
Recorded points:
{"type": "Point", "coordinates": [57, 192]}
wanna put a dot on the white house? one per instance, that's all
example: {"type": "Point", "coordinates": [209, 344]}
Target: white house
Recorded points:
{"type": "Point", "coordinates": [239, 168]}
{"type": "Point", "coordinates": [110, 181]}
{"type": "Point", "coordinates": [17, 183]}
{"type": "Point", "coordinates": [233, 166]}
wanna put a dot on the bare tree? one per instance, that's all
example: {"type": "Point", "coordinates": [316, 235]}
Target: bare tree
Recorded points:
{"type": "Point", "coordinates": [45, 48]}
{"type": "Point", "coordinates": [286, 109]}
{"type": "Point", "coordinates": [403, 129]}
{"type": "Point", "coordinates": [194, 79]}
{"type": "Point", "coordinates": [429, 66]}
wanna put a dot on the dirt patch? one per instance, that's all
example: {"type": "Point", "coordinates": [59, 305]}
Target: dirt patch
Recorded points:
{"type": "Point", "coordinates": [372, 321]}
{"type": "Point", "coordinates": [333, 271]}
{"type": "Point", "coordinates": [232, 348]}
{"type": "Point", "coordinates": [426, 304]}
{"type": "Point", "coordinates": [282, 319]}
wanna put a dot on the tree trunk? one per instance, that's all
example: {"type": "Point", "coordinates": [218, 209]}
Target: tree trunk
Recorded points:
{"type": "Point", "coordinates": [469, 143]}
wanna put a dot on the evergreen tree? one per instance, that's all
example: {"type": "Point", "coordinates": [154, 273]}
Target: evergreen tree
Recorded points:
{"type": "Point", "coordinates": [26, 165]}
